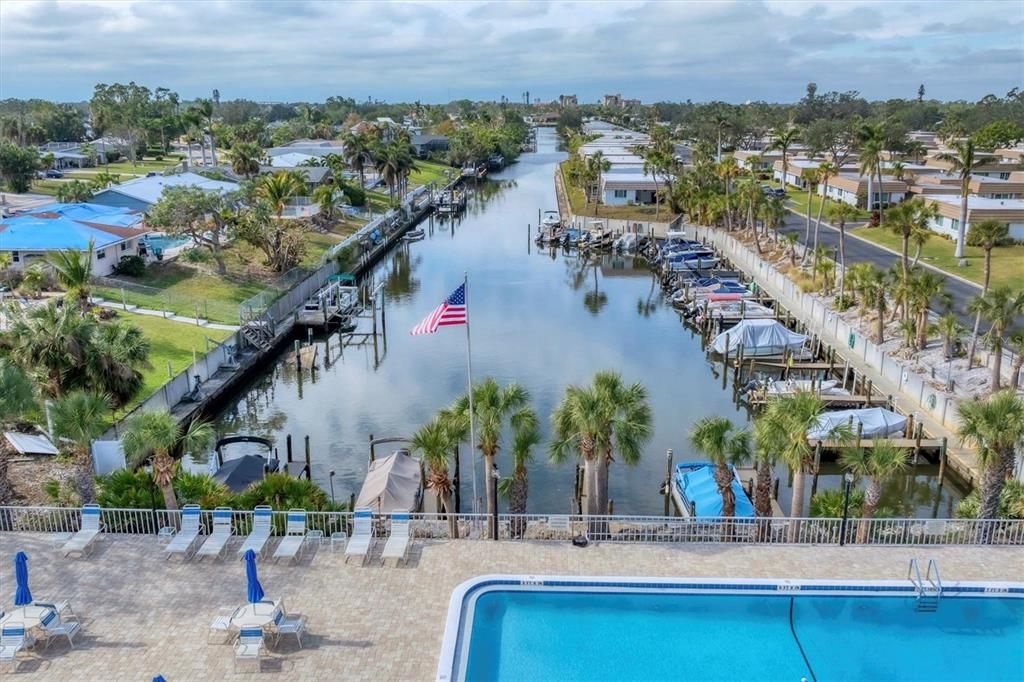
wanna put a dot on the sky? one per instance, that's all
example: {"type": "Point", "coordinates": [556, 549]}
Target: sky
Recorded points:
{"type": "Point", "coordinates": [439, 51]}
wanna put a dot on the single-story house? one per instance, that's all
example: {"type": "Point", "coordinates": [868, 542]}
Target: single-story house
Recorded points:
{"type": "Point", "coordinates": [70, 154]}
{"type": "Point", "coordinates": [315, 175]}
{"type": "Point", "coordinates": [850, 187]}
{"type": "Point", "coordinates": [979, 185]}
{"type": "Point", "coordinates": [1011, 154]}
{"type": "Point", "coordinates": [425, 144]}
{"type": "Point", "coordinates": [141, 193]}
{"type": "Point", "coordinates": [113, 231]}
{"type": "Point", "coordinates": [292, 159]}
{"type": "Point", "coordinates": [317, 148]}
{"type": "Point", "coordinates": [1010, 211]}
{"type": "Point", "coordinates": [798, 165]}
{"type": "Point", "coordinates": [622, 186]}
{"type": "Point", "coordinates": [995, 169]}
{"type": "Point", "coordinates": [760, 160]}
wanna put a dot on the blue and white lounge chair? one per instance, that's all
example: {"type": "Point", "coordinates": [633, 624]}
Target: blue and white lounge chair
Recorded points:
{"type": "Point", "coordinates": [220, 535]}
{"type": "Point", "coordinates": [295, 535]}
{"type": "Point", "coordinates": [362, 535]}
{"type": "Point", "coordinates": [12, 640]}
{"type": "Point", "coordinates": [262, 527]}
{"type": "Point", "coordinates": [89, 530]}
{"type": "Point", "coordinates": [397, 545]}
{"type": "Point", "coordinates": [53, 626]}
{"type": "Point", "coordinates": [249, 646]}
{"type": "Point", "coordinates": [184, 542]}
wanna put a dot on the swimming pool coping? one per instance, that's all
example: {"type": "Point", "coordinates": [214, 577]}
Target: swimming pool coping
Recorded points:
{"type": "Point", "coordinates": [453, 657]}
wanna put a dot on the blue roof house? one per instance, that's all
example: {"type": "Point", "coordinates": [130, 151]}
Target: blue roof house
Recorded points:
{"type": "Point", "coordinates": [114, 233]}
{"type": "Point", "coordinates": [141, 193]}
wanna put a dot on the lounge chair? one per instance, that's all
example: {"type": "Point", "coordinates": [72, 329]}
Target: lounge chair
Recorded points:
{"type": "Point", "coordinates": [12, 640]}
{"type": "Point", "coordinates": [55, 627]}
{"type": "Point", "coordinates": [249, 646]}
{"type": "Point", "coordinates": [81, 542]}
{"type": "Point", "coordinates": [362, 535]}
{"type": "Point", "coordinates": [218, 539]}
{"type": "Point", "coordinates": [221, 625]}
{"type": "Point", "coordinates": [295, 535]}
{"type": "Point", "coordinates": [184, 542]}
{"type": "Point", "coordinates": [262, 527]}
{"type": "Point", "coordinates": [62, 607]}
{"type": "Point", "coordinates": [291, 624]}
{"type": "Point", "coordinates": [397, 545]}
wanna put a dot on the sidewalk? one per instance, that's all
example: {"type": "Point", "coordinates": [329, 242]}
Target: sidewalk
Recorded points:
{"type": "Point", "coordinates": [159, 313]}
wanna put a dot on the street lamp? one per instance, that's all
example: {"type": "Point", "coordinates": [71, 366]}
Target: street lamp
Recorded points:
{"type": "Point", "coordinates": [495, 477]}
{"type": "Point", "coordinates": [331, 477]}
{"type": "Point", "coordinates": [848, 478]}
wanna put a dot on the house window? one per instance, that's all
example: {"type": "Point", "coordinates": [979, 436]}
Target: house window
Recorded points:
{"type": "Point", "coordinates": [15, 257]}
{"type": "Point", "coordinates": [101, 254]}
{"type": "Point", "coordinates": [955, 223]}
{"type": "Point", "coordinates": [124, 246]}
{"type": "Point", "coordinates": [620, 194]}
{"type": "Point", "coordinates": [1004, 176]}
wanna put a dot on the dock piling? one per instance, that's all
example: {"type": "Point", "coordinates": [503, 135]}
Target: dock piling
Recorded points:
{"type": "Point", "coordinates": [668, 480]}
{"type": "Point", "coordinates": [298, 356]}
{"type": "Point", "coordinates": [308, 469]}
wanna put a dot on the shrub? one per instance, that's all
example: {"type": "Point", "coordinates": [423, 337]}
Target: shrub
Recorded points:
{"type": "Point", "coordinates": [844, 302]}
{"type": "Point", "coordinates": [1011, 503]}
{"type": "Point", "coordinates": [130, 266]}
{"type": "Point", "coordinates": [344, 258]}
{"type": "Point", "coordinates": [355, 194]}
{"type": "Point", "coordinates": [973, 240]}
{"type": "Point", "coordinates": [159, 157]}
{"type": "Point", "coordinates": [196, 256]}
{"type": "Point", "coordinates": [113, 156]}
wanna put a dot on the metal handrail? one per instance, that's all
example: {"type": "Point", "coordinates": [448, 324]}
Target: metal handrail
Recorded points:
{"type": "Point", "coordinates": [914, 575]}
{"type": "Point", "coordinates": [936, 582]}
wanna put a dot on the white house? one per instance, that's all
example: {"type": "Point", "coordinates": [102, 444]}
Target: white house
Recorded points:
{"type": "Point", "coordinates": [1010, 211]}
{"type": "Point", "coordinates": [852, 188]}
{"type": "Point", "coordinates": [622, 186]}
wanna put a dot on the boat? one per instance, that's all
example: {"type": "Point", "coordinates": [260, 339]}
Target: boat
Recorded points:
{"type": "Point", "coordinates": [414, 235]}
{"type": "Point", "coordinates": [238, 473]}
{"type": "Point", "coordinates": [574, 237]}
{"type": "Point", "coordinates": [874, 422]}
{"type": "Point", "coordinates": [451, 201]}
{"type": "Point", "coordinates": [627, 243]}
{"type": "Point", "coordinates": [759, 338]}
{"type": "Point", "coordinates": [550, 219]}
{"type": "Point", "coordinates": [787, 387]}
{"type": "Point", "coordinates": [696, 495]}
{"type": "Point", "coordinates": [392, 484]}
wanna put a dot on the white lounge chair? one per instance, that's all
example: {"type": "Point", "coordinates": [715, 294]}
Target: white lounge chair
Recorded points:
{"type": "Point", "coordinates": [221, 625]}
{"type": "Point", "coordinates": [249, 646]}
{"type": "Point", "coordinates": [262, 527]}
{"type": "Point", "coordinates": [62, 607]}
{"type": "Point", "coordinates": [362, 535]}
{"type": "Point", "coordinates": [12, 640]}
{"type": "Point", "coordinates": [184, 542]}
{"type": "Point", "coordinates": [220, 535]}
{"type": "Point", "coordinates": [397, 545]}
{"type": "Point", "coordinates": [295, 535]}
{"type": "Point", "coordinates": [291, 624]}
{"type": "Point", "coordinates": [89, 530]}
{"type": "Point", "coordinates": [55, 627]}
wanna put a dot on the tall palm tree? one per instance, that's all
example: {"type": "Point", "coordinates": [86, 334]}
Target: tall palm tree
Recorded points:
{"type": "Point", "coordinates": [769, 440]}
{"type": "Point", "coordinates": [875, 287]}
{"type": "Point", "coordinates": [877, 464]}
{"type": "Point", "coordinates": [749, 193]}
{"type": "Point", "coordinates": [810, 177]}
{"type": "Point", "coordinates": [728, 170]}
{"type": "Point", "coordinates": [358, 151]}
{"type": "Point", "coordinates": [279, 188]}
{"type": "Point", "coordinates": [839, 213]}
{"type": "Point", "coordinates": [493, 405]}
{"type": "Point", "coordinates": [517, 486]}
{"type": "Point", "coordinates": [601, 166]}
{"type": "Point", "coordinates": [925, 286]}
{"type": "Point", "coordinates": [204, 108]}
{"type": "Point", "coordinates": [999, 307]}
{"type": "Point", "coordinates": [81, 417]}
{"type": "Point", "coordinates": [434, 441]}
{"type": "Point", "coordinates": [325, 196]}
{"type": "Point", "coordinates": [74, 273]}
{"type": "Point", "coordinates": [52, 344]}
{"type": "Point", "coordinates": [597, 421]}
{"type": "Point", "coordinates": [964, 161]}
{"type": "Point", "coordinates": [826, 171]}
{"type": "Point", "coordinates": [995, 427]}
{"type": "Point", "coordinates": [772, 212]}
{"type": "Point", "coordinates": [17, 397]}
{"type": "Point", "coordinates": [989, 233]}
{"type": "Point", "coordinates": [902, 222]}
{"type": "Point", "coordinates": [245, 158]}
{"type": "Point", "coordinates": [791, 239]}
{"type": "Point", "coordinates": [1016, 340]}
{"type": "Point", "coordinates": [156, 437]}
{"type": "Point", "coordinates": [783, 139]}
{"type": "Point", "coordinates": [872, 148]}
{"type": "Point", "coordinates": [949, 328]}
{"type": "Point", "coordinates": [726, 446]}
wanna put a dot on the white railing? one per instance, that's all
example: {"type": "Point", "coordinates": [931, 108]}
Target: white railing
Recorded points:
{"type": "Point", "coordinates": [564, 527]}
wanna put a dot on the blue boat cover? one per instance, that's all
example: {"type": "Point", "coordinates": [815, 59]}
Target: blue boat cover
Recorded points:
{"type": "Point", "coordinates": [696, 483]}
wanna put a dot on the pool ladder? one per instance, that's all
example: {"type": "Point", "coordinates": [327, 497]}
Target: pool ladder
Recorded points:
{"type": "Point", "coordinates": [929, 588]}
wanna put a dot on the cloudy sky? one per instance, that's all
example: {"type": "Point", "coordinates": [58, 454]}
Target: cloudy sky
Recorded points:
{"type": "Point", "coordinates": [437, 51]}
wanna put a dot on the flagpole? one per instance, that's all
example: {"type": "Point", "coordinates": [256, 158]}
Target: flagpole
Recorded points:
{"type": "Point", "coordinates": [469, 375]}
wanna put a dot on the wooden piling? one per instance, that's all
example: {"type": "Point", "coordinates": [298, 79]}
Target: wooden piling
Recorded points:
{"type": "Point", "coordinates": [308, 469]}
{"type": "Point", "coordinates": [668, 481]}
{"type": "Point", "coordinates": [298, 356]}
{"type": "Point", "coordinates": [725, 360]}
{"type": "Point", "coordinates": [942, 460]}
{"type": "Point", "coordinates": [288, 448]}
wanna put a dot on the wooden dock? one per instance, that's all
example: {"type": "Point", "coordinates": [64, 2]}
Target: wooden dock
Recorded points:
{"type": "Point", "coordinates": [332, 304]}
{"type": "Point", "coordinates": [909, 443]}
{"type": "Point", "coordinates": [761, 398]}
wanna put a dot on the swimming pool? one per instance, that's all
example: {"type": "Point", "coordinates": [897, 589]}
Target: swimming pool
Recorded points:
{"type": "Point", "coordinates": [165, 242]}
{"type": "Point", "coordinates": [505, 628]}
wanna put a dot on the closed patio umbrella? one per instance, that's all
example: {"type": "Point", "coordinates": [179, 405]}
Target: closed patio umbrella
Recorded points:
{"type": "Point", "coordinates": [22, 595]}
{"type": "Point", "coordinates": [255, 589]}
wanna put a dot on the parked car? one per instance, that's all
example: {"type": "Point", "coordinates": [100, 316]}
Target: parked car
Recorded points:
{"type": "Point", "coordinates": [53, 173]}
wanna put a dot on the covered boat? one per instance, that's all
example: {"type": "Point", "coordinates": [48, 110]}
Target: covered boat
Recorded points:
{"type": "Point", "coordinates": [791, 386]}
{"type": "Point", "coordinates": [393, 484]}
{"type": "Point", "coordinates": [759, 338]}
{"type": "Point", "coordinates": [551, 219]}
{"type": "Point", "coordinates": [877, 422]}
{"type": "Point", "coordinates": [696, 492]}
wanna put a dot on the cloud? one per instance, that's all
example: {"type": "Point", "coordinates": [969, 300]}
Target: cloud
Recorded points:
{"type": "Point", "coordinates": [434, 51]}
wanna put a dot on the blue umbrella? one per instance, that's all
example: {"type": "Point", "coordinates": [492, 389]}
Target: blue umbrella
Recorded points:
{"type": "Point", "coordinates": [159, 678]}
{"type": "Point", "coordinates": [22, 596]}
{"type": "Point", "coordinates": [255, 589]}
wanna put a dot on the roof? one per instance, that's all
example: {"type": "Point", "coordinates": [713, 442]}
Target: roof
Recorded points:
{"type": "Point", "coordinates": [291, 159]}
{"type": "Point", "coordinates": [624, 177]}
{"type": "Point", "coordinates": [313, 174]}
{"type": "Point", "coordinates": [982, 203]}
{"type": "Point", "coordinates": [70, 226]}
{"type": "Point", "coordinates": [150, 189]}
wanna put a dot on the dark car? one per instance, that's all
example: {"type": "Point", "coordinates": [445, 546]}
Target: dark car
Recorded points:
{"type": "Point", "coordinates": [778, 192]}
{"type": "Point", "coordinates": [53, 173]}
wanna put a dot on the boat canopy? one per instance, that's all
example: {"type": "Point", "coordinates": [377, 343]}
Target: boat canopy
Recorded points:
{"type": "Point", "coordinates": [696, 482]}
{"type": "Point", "coordinates": [878, 423]}
{"type": "Point", "coordinates": [392, 484]}
{"type": "Point", "coordinates": [759, 337]}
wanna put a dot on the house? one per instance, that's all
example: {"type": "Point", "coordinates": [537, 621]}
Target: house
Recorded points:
{"type": "Point", "coordinates": [623, 186]}
{"type": "Point", "coordinates": [612, 101]}
{"type": "Point", "coordinates": [113, 231]}
{"type": "Point", "coordinates": [798, 165]}
{"type": "Point", "coordinates": [141, 193]}
{"type": "Point", "coordinates": [979, 185]}
{"type": "Point", "coordinates": [852, 188]}
{"type": "Point", "coordinates": [629, 103]}
{"type": "Point", "coordinates": [292, 159]}
{"type": "Point", "coordinates": [314, 148]}
{"type": "Point", "coordinates": [1010, 211]}
{"type": "Point", "coordinates": [71, 154]}
{"type": "Point", "coordinates": [425, 144]}
{"type": "Point", "coordinates": [995, 169]}
{"type": "Point", "coordinates": [567, 101]}
{"type": "Point", "coordinates": [314, 175]}
{"type": "Point", "coordinates": [1010, 155]}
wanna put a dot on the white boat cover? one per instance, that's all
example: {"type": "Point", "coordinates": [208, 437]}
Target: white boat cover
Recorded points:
{"type": "Point", "coordinates": [392, 484]}
{"type": "Point", "coordinates": [790, 386]}
{"type": "Point", "coordinates": [878, 423]}
{"type": "Point", "coordinates": [759, 337]}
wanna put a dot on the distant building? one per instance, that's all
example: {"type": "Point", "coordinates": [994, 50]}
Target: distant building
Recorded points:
{"type": "Point", "coordinates": [567, 101]}
{"type": "Point", "coordinates": [612, 100]}
{"type": "Point", "coordinates": [850, 187]}
{"type": "Point", "coordinates": [425, 144]}
{"type": "Point", "coordinates": [629, 103]}
{"type": "Point", "coordinates": [141, 193]}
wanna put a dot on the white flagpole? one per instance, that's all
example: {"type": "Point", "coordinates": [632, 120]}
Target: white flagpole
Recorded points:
{"type": "Point", "coordinates": [469, 375]}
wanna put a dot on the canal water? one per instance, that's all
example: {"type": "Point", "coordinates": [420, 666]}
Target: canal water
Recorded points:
{"type": "Point", "coordinates": [542, 318]}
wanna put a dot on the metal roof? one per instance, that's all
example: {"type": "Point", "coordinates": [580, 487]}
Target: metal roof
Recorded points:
{"type": "Point", "coordinates": [149, 189]}
{"type": "Point", "coordinates": [30, 443]}
{"type": "Point", "coordinates": [69, 226]}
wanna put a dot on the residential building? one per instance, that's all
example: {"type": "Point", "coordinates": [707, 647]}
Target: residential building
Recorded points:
{"type": "Point", "coordinates": [141, 193]}
{"type": "Point", "coordinates": [629, 103]}
{"type": "Point", "coordinates": [979, 185]}
{"type": "Point", "coordinates": [852, 188]}
{"type": "Point", "coordinates": [1010, 211]}
{"type": "Point", "coordinates": [623, 186]}
{"type": "Point", "coordinates": [71, 154]}
{"type": "Point", "coordinates": [425, 144]}
{"type": "Point", "coordinates": [317, 148]}
{"type": "Point", "coordinates": [797, 166]}
{"type": "Point", "coordinates": [996, 169]}
{"type": "Point", "coordinates": [114, 232]}
{"type": "Point", "coordinates": [567, 101]}
{"type": "Point", "coordinates": [1011, 155]}
{"type": "Point", "coordinates": [612, 101]}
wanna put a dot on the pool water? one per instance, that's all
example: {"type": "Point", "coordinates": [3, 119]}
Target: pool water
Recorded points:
{"type": "Point", "coordinates": [164, 242]}
{"type": "Point", "coordinates": [550, 635]}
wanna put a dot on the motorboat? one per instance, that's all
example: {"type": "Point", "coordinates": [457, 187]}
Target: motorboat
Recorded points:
{"type": "Point", "coordinates": [696, 495]}
{"type": "Point", "coordinates": [242, 470]}
{"type": "Point", "coordinates": [627, 243]}
{"type": "Point", "coordinates": [759, 338]}
{"type": "Point", "coordinates": [392, 484]}
{"type": "Point", "coordinates": [873, 422]}
{"type": "Point", "coordinates": [550, 219]}
{"type": "Point", "coordinates": [574, 237]}
{"type": "Point", "coordinates": [414, 235]}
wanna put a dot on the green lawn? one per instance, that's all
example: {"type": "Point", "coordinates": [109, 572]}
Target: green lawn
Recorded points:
{"type": "Point", "coordinates": [428, 171]}
{"type": "Point", "coordinates": [1007, 261]}
{"type": "Point", "coordinates": [147, 164]}
{"type": "Point", "coordinates": [798, 202]}
{"type": "Point", "coordinates": [581, 207]}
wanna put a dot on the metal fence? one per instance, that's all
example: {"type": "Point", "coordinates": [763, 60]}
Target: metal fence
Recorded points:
{"type": "Point", "coordinates": [128, 295]}
{"type": "Point", "coordinates": [564, 528]}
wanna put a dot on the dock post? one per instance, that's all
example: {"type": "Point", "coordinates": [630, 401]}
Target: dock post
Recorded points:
{"type": "Point", "coordinates": [298, 355]}
{"type": "Point", "coordinates": [917, 444]}
{"type": "Point", "coordinates": [383, 319]}
{"type": "Point", "coordinates": [817, 468]}
{"type": "Point", "coordinates": [668, 481]}
{"type": "Point", "coordinates": [457, 482]}
{"type": "Point", "coordinates": [868, 391]}
{"type": "Point", "coordinates": [846, 373]}
{"type": "Point", "coordinates": [351, 502]}
{"type": "Point", "coordinates": [372, 457]}
{"type": "Point", "coordinates": [908, 430]}
{"type": "Point", "coordinates": [309, 334]}
{"type": "Point", "coordinates": [736, 369]}
{"type": "Point", "coordinates": [942, 460]}
{"type": "Point", "coordinates": [309, 467]}
{"type": "Point", "coordinates": [288, 447]}
{"type": "Point", "coordinates": [725, 360]}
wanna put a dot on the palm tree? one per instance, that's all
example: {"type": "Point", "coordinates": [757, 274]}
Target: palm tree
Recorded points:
{"type": "Point", "coordinates": [810, 178]}
{"type": "Point", "coordinates": [80, 417]}
{"type": "Point", "coordinates": [74, 192]}
{"type": "Point", "coordinates": [16, 399]}
{"type": "Point", "coordinates": [74, 273]}
{"type": "Point", "coordinates": [999, 307]}
{"type": "Point", "coordinates": [517, 487]}
{"type": "Point", "coordinates": [768, 441]}
{"type": "Point", "coordinates": [204, 109]}
{"type": "Point", "coordinates": [839, 212]}
{"type": "Point", "coordinates": [898, 170]}
{"type": "Point", "coordinates": [877, 464]}
{"type": "Point", "coordinates": [964, 161]}
{"type": "Point", "coordinates": [434, 441]}
{"type": "Point", "coordinates": [1016, 340]}
{"type": "Point", "coordinates": [772, 212]}
{"type": "Point", "coordinates": [783, 139]}
{"type": "Point", "coordinates": [281, 187]}
{"type": "Point", "coordinates": [791, 239]}
{"type": "Point", "coordinates": [324, 196]}
{"type": "Point", "coordinates": [995, 427]}
{"type": "Point", "coordinates": [989, 233]}
{"type": "Point", "coordinates": [357, 153]}
{"type": "Point", "coordinates": [949, 328]}
{"type": "Point", "coordinates": [245, 158]}
{"type": "Point", "coordinates": [859, 275]}
{"type": "Point", "coordinates": [493, 405]}
{"type": "Point", "coordinates": [872, 139]}
{"type": "Point", "coordinates": [727, 170]}
{"type": "Point", "coordinates": [902, 222]}
{"type": "Point", "coordinates": [875, 286]}
{"type": "Point", "coordinates": [826, 170]}
{"type": "Point", "coordinates": [725, 446]}
{"type": "Point", "coordinates": [156, 436]}
{"type": "Point", "coordinates": [749, 193]}
{"type": "Point", "coordinates": [596, 421]}
{"type": "Point", "coordinates": [52, 344]}
{"type": "Point", "coordinates": [118, 354]}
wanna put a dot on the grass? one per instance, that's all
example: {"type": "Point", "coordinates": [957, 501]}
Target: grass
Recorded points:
{"type": "Point", "coordinates": [580, 207]}
{"type": "Point", "coordinates": [798, 203]}
{"type": "Point", "coordinates": [125, 169]}
{"type": "Point", "coordinates": [1007, 261]}
{"type": "Point", "coordinates": [428, 171]}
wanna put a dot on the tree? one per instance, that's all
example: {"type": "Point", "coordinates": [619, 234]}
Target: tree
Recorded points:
{"type": "Point", "coordinates": [245, 158]}
{"type": "Point", "coordinates": [52, 344]}
{"type": "Point", "coordinates": [772, 212]}
{"type": "Point", "coordinates": [964, 160]}
{"type": "Point", "coordinates": [192, 212]}
{"type": "Point", "coordinates": [281, 241]}
{"type": "Point", "coordinates": [327, 199]}
{"type": "Point", "coordinates": [597, 421]}
{"type": "Point", "coordinates": [204, 107]}
{"type": "Point", "coordinates": [17, 397]}
{"type": "Point", "coordinates": [358, 153]}
{"type": "Point", "coordinates": [74, 273]}
{"type": "Point", "coordinates": [872, 149]}
{"type": "Point", "coordinates": [726, 446]}
{"type": "Point", "coordinates": [999, 307]}
{"type": "Point", "coordinates": [1016, 340]}
{"type": "Point", "coordinates": [949, 328]}
{"type": "Point", "coordinates": [998, 134]}
{"type": "Point", "coordinates": [155, 437]}
{"type": "Point", "coordinates": [810, 178]}
{"type": "Point", "coordinates": [493, 406]}
{"type": "Point", "coordinates": [987, 233]}
{"type": "Point", "coordinates": [875, 286]}
{"type": "Point", "coordinates": [839, 213]}
{"type": "Point", "coordinates": [122, 109]}
{"type": "Point", "coordinates": [80, 417]}
{"type": "Point", "coordinates": [783, 139]}
{"type": "Point", "coordinates": [727, 169]}
{"type": "Point", "coordinates": [277, 189]}
{"type": "Point", "coordinates": [74, 192]}
{"type": "Point", "coordinates": [909, 220]}
{"type": "Point", "coordinates": [791, 239]}
{"type": "Point", "coordinates": [282, 491]}
{"type": "Point", "coordinates": [826, 171]}
{"type": "Point", "coordinates": [516, 487]}
{"type": "Point", "coordinates": [877, 464]}
{"type": "Point", "coordinates": [435, 441]}
{"type": "Point", "coordinates": [18, 165]}
{"type": "Point", "coordinates": [995, 427]}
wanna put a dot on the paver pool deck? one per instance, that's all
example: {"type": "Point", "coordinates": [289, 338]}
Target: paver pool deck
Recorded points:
{"type": "Point", "coordinates": [144, 616]}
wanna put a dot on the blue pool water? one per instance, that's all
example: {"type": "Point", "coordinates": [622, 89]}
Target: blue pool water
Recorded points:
{"type": "Point", "coordinates": [164, 242]}
{"type": "Point", "coordinates": [550, 635]}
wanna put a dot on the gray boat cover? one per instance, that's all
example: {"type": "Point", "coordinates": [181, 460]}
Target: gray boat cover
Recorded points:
{"type": "Point", "coordinates": [759, 337]}
{"type": "Point", "coordinates": [392, 484]}
{"type": "Point", "coordinates": [878, 423]}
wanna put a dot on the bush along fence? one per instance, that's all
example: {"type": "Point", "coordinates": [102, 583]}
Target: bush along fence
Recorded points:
{"type": "Point", "coordinates": [566, 528]}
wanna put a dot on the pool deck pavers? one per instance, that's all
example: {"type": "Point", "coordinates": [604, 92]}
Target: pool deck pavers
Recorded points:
{"type": "Point", "coordinates": [144, 616]}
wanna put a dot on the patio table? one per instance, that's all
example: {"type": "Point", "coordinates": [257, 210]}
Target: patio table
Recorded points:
{"type": "Point", "coordinates": [258, 615]}
{"type": "Point", "coordinates": [30, 617]}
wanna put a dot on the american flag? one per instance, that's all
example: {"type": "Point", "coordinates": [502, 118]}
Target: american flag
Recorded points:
{"type": "Point", "coordinates": [451, 312]}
